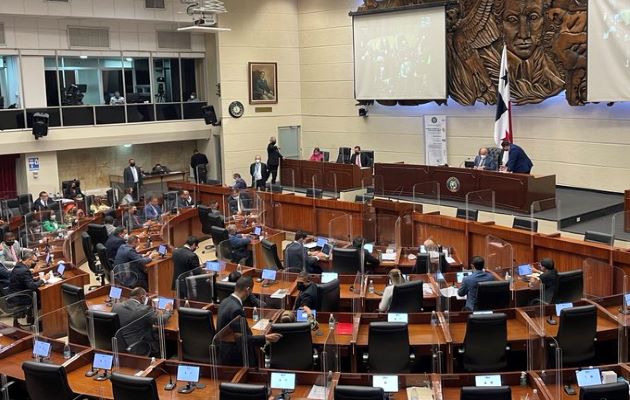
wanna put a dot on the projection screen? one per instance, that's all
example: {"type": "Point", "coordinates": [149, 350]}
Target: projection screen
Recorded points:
{"type": "Point", "coordinates": [400, 55]}
{"type": "Point", "coordinates": [608, 50]}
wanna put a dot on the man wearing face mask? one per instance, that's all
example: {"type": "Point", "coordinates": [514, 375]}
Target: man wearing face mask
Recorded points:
{"type": "Point", "coordinates": [127, 254]}
{"type": "Point", "coordinates": [21, 278]}
{"type": "Point", "coordinates": [130, 220]}
{"type": "Point", "coordinates": [132, 177]}
{"type": "Point", "coordinates": [307, 298]}
{"type": "Point", "coordinates": [273, 159]}
{"type": "Point", "coordinates": [259, 172]}
{"type": "Point", "coordinates": [359, 158]}
{"type": "Point", "coordinates": [10, 251]}
{"type": "Point", "coordinates": [230, 308]}
{"type": "Point", "coordinates": [484, 161]}
{"type": "Point", "coordinates": [137, 320]}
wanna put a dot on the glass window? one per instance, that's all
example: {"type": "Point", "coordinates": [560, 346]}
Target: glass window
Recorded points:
{"type": "Point", "coordinates": [80, 83]}
{"type": "Point", "coordinates": [166, 75]}
{"type": "Point", "coordinates": [10, 93]}
{"type": "Point", "coordinates": [112, 80]}
{"type": "Point", "coordinates": [137, 80]}
{"type": "Point", "coordinates": [192, 79]}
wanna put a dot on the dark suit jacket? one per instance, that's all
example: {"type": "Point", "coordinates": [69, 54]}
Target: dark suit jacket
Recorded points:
{"type": "Point", "coordinates": [127, 254]}
{"type": "Point", "coordinates": [38, 205]}
{"type": "Point", "coordinates": [490, 164]}
{"type": "Point", "coordinates": [230, 354]}
{"type": "Point", "coordinates": [369, 261]}
{"type": "Point", "coordinates": [240, 184]}
{"type": "Point", "coordinates": [365, 160]}
{"type": "Point", "coordinates": [308, 297]}
{"type": "Point", "coordinates": [112, 245]}
{"type": "Point", "coordinates": [184, 260]}
{"type": "Point", "coordinates": [470, 285]}
{"type": "Point", "coordinates": [198, 159]}
{"type": "Point", "coordinates": [264, 172]}
{"type": "Point", "coordinates": [137, 321]}
{"type": "Point", "coordinates": [246, 203]}
{"type": "Point", "coordinates": [550, 281]}
{"type": "Point", "coordinates": [273, 155]}
{"type": "Point", "coordinates": [128, 177]}
{"type": "Point", "coordinates": [518, 161]}
{"type": "Point", "coordinates": [21, 278]}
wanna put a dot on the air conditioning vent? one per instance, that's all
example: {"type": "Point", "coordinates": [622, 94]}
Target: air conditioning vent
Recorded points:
{"type": "Point", "coordinates": [174, 40]}
{"type": "Point", "coordinates": [59, 1]}
{"type": "Point", "coordinates": [88, 37]}
{"type": "Point", "coordinates": [159, 4]}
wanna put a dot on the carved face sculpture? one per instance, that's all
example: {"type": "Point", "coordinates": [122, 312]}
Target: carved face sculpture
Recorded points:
{"type": "Point", "coordinates": [523, 26]}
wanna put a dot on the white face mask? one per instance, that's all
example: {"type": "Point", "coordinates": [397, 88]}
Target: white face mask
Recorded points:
{"type": "Point", "coordinates": [483, 157]}
{"type": "Point", "coordinates": [257, 161]}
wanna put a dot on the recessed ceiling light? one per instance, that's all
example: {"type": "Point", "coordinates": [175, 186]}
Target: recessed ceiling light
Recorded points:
{"type": "Point", "coordinates": [83, 57]}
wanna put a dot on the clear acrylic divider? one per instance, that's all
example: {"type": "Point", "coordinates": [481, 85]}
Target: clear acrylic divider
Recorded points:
{"type": "Point", "coordinates": [447, 292]}
{"type": "Point", "coordinates": [500, 257]}
{"type": "Point", "coordinates": [142, 336]}
{"type": "Point", "coordinates": [271, 295]}
{"type": "Point", "coordinates": [244, 210]}
{"type": "Point", "coordinates": [602, 280]}
{"type": "Point", "coordinates": [230, 346]}
{"type": "Point", "coordinates": [438, 350]}
{"type": "Point", "coordinates": [545, 216]}
{"type": "Point", "coordinates": [340, 228]}
{"type": "Point", "coordinates": [623, 318]}
{"type": "Point", "coordinates": [330, 353]}
{"type": "Point", "coordinates": [358, 289]}
{"type": "Point", "coordinates": [130, 275]}
{"type": "Point", "coordinates": [426, 197]}
{"type": "Point", "coordinates": [620, 232]}
{"type": "Point", "coordinates": [288, 179]}
{"type": "Point", "coordinates": [21, 307]}
{"type": "Point", "coordinates": [406, 230]}
{"type": "Point", "coordinates": [480, 204]}
{"type": "Point", "coordinates": [196, 285]}
{"type": "Point", "coordinates": [536, 330]}
{"type": "Point", "coordinates": [317, 185]}
{"type": "Point", "coordinates": [553, 377]}
{"type": "Point", "coordinates": [67, 323]}
{"type": "Point", "coordinates": [331, 179]}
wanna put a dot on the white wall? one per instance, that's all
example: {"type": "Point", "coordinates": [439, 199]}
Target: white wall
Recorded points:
{"type": "Point", "coordinates": [583, 146]}
{"type": "Point", "coordinates": [47, 178]}
{"type": "Point", "coordinates": [34, 82]}
{"type": "Point", "coordinates": [262, 31]}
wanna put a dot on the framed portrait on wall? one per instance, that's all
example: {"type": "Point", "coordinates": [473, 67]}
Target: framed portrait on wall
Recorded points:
{"type": "Point", "coordinates": [263, 83]}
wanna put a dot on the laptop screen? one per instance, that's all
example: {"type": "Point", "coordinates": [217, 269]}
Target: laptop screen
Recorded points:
{"type": "Point", "coordinates": [302, 316]}
{"type": "Point", "coordinates": [61, 269]}
{"type": "Point", "coordinates": [321, 241]}
{"type": "Point", "coordinates": [369, 247]}
{"type": "Point", "coordinates": [327, 249]}
{"type": "Point", "coordinates": [461, 276]}
{"type": "Point", "coordinates": [524, 270]}
{"type": "Point", "coordinates": [257, 231]}
{"type": "Point", "coordinates": [163, 302]}
{"type": "Point", "coordinates": [562, 306]}
{"type": "Point", "coordinates": [213, 266]}
{"type": "Point", "coordinates": [329, 276]}
{"type": "Point", "coordinates": [162, 250]}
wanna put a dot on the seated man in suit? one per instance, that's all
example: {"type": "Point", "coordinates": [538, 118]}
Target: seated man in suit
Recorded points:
{"type": "Point", "coordinates": [517, 160]}
{"type": "Point", "coordinates": [21, 277]}
{"type": "Point", "coordinates": [131, 220]}
{"type": "Point", "coordinates": [485, 161]}
{"type": "Point", "coordinates": [298, 256]}
{"type": "Point", "coordinates": [549, 279]}
{"type": "Point", "coordinates": [369, 261]}
{"type": "Point", "coordinates": [160, 169]}
{"type": "Point", "coordinates": [10, 251]}
{"type": "Point", "coordinates": [185, 260]}
{"type": "Point", "coordinates": [359, 158]}
{"type": "Point", "coordinates": [471, 282]}
{"type": "Point", "coordinates": [43, 202]}
{"type": "Point", "coordinates": [230, 308]}
{"type": "Point", "coordinates": [127, 254]}
{"type": "Point", "coordinates": [238, 202]}
{"type": "Point", "coordinates": [137, 320]}
{"type": "Point", "coordinates": [240, 251]}
{"type": "Point", "coordinates": [153, 210]}
{"type": "Point", "coordinates": [307, 297]}
{"type": "Point", "coordinates": [108, 221]}
{"type": "Point", "coordinates": [259, 172]}
{"type": "Point", "coordinates": [239, 182]}
{"type": "Point", "coordinates": [183, 199]}
{"type": "Point", "coordinates": [114, 241]}
{"type": "Point", "coordinates": [73, 191]}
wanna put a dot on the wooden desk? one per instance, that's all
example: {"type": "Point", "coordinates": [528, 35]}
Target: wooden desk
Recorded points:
{"type": "Point", "coordinates": [323, 174]}
{"type": "Point", "coordinates": [421, 333]}
{"type": "Point", "coordinates": [452, 384]}
{"type": "Point", "coordinates": [304, 381]}
{"type": "Point", "coordinates": [512, 191]}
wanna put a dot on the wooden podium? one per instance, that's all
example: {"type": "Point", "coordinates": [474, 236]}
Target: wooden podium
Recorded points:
{"type": "Point", "coordinates": [512, 191]}
{"type": "Point", "coordinates": [322, 175]}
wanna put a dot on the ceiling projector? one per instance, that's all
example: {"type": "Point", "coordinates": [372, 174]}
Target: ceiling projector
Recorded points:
{"type": "Point", "coordinates": [204, 12]}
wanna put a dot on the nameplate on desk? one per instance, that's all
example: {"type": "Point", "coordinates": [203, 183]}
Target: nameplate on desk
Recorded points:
{"type": "Point", "coordinates": [388, 256]}
{"type": "Point", "coordinates": [397, 317]}
{"type": "Point", "coordinates": [279, 294]}
{"type": "Point", "coordinates": [488, 380]}
{"type": "Point", "coordinates": [263, 109]}
{"type": "Point", "coordinates": [261, 325]}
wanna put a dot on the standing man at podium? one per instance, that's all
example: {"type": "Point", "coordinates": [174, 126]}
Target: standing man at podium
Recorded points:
{"type": "Point", "coordinates": [514, 159]}
{"type": "Point", "coordinates": [273, 159]}
{"type": "Point", "coordinates": [360, 159]}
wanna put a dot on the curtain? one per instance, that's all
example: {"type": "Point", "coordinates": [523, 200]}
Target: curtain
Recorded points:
{"type": "Point", "coordinates": [8, 184]}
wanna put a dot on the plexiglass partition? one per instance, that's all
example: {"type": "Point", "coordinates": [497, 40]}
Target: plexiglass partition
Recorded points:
{"type": "Point", "coordinates": [480, 206]}
{"type": "Point", "coordinates": [231, 346]}
{"type": "Point", "coordinates": [245, 208]}
{"type": "Point", "coordinates": [382, 230]}
{"type": "Point", "coordinates": [224, 252]}
{"type": "Point", "coordinates": [297, 258]}
{"type": "Point", "coordinates": [602, 279]}
{"type": "Point", "coordinates": [21, 307]}
{"type": "Point", "coordinates": [340, 228]}
{"type": "Point", "coordinates": [330, 353]}
{"type": "Point", "coordinates": [545, 216]}
{"type": "Point", "coordinates": [331, 182]}
{"type": "Point", "coordinates": [438, 353]}
{"type": "Point", "coordinates": [499, 256]}
{"type": "Point", "coordinates": [198, 284]}
{"type": "Point", "coordinates": [134, 274]}
{"type": "Point", "coordinates": [426, 192]}
{"type": "Point", "coordinates": [271, 290]}
{"type": "Point", "coordinates": [316, 186]}
{"type": "Point", "coordinates": [67, 322]}
{"type": "Point", "coordinates": [288, 179]}
{"type": "Point", "coordinates": [143, 335]}
{"type": "Point", "coordinates": [623, 318]}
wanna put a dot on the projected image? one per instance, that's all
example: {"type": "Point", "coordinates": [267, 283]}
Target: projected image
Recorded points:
{"type": "Point", "coordinates": [400, 56]}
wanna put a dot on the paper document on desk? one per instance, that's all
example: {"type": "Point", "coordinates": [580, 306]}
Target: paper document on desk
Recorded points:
{"type": "Point", "coordinates": [451, 292]}
{"type": "Point", "coordinates": [450, 260]}
{"type": "Point", "coordinates": [427, 290]}
{"type": "Point", "coordinates": [310, 245]}
{"type": "Point", "coordinates": [261, 325]}
{"type": "Point", "coordinates": [54, 280]}
{"type": "Point", "coordinates": [317, 393]}
{"type": "Point", "coordinates": [388, 256]}
{"type": "Point", "coordinates": [419, 393]}
{"type": "Point", "coordinates": [280, 294]}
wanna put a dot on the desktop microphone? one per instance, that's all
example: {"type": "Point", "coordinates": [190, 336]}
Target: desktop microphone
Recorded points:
{"type": "Point", "coordinates": [461, 165]}
{"type": "Point", "coordinates": [170, 385]}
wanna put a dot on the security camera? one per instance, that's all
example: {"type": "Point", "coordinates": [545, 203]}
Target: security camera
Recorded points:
{"type": "Point", "coordinates": [363, 111]}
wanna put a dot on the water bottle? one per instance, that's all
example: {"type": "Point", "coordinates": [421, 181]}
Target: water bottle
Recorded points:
{"type": "Point", "coordinates": [434, 318]}
{"type": "Point", "coordinates": [239, 268]}
{"type": "Point", "coordinates": [153, 362]}
{"type": "Point", "coordinates": [534, 395]}
{"type": "Point", "coordinates": [187, 304]}
{"type": "Point", "coordinates": [331, 322]}
{"type": "Point", "coordinates": [329, 379]}
{"type": "Point", "coordinates": [255, 315]}
{"type": "Point", "coordinates": [523, 379]}
{"type": "Point", "coordinates": [67, 353]}
{"type": "Point", "coordinates": [371, 287]}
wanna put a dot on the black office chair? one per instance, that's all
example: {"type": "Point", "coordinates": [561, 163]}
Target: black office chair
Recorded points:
{"type": "Point", "coordinates": [328, 295]}
{"type": "Point", "coordinates": [388, 348]}
{"type": "Point", "coordinates": [363, 198]}
{"type": "Point", "coordinates": [105, 325]}
{"type": "Point", "coordinates": [345, 392]}
{"type": "Point", "coordinates": [196, 331]}
{"type": "Point", "coordinates": [131, 387]}
{"type": "Point", "coordinates": [274, 188]}
{"type": "Point", "coordinates": [485, 343]}
{"type": "Point", "coordinates": [203, 212]}
{"type": "Point", "coordinates": [576, 335]}
{"type": "Point", "coordinates": [315, 193]}
{"type": "Point", "coordinates": [98, 233]}
{"type": "Point", "coordinates": [294, 350]}
{"type": "Point", "coordinates": [73, 300]}
{"type": "Point", "coordinates": [169, 201]}
{"type": "Point", "coordinates": [598, 237]}
{"type": "Point", "coordinates": [346, 261]}
{"type": "Point", "coordinates": [223, 289]}
{"type": "Point", "coordinates": [610, 391]}
{"type": "Point", "coordinates": [423, 262]}
{"type": "Point", "coordinates": [216, 219]}
{"type": "Point", "coordinates": [89, 200]}
{"type": "Point", "coordinates": [16, 305]}
{"type": "Point", "coordinates": [526, 224]}
{"type": "Point", "coordinates": [486, 393]}
{"type": "Point", "coordinates": [106, 264]}
{"type": "Point", "coordinates": [471, 215]}
{"type": "Point", "coordinates": [88, 250]}
{"type": "Point", "coordinates": [407, 298]}
{"type": "Point", "coordinates": [370, 154]}
{"type": "Point", "coordinates": [47, 381]}
{"type": "Point", "coordinates": [25, 201]}
{"type": "Point", "coordinates": [200, 288]}
{"type": "Point", "coordinates": [270, 255]}
{"type": "Point", "coordinates": [242, 391]}
{"type": "Point", "coordinates": [219, 234]}
{"type": "Point", "coordinates": [570, 287]}
{"type": "Point", "coordinates": [493, 295]}
{"type": "Point", "coordinates": [11, 208]}
{"type": "Point", "coordinates": [344, 155]}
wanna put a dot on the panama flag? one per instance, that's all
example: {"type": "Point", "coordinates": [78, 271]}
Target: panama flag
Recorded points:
{"type": "Point", "coordinates": [503, 122]}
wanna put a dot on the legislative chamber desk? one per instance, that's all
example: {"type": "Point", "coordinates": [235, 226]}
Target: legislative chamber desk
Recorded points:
{"type": "Point", "coordinates": [512, 191]}
{"type": "Point", "coordinates": [323, 175]}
